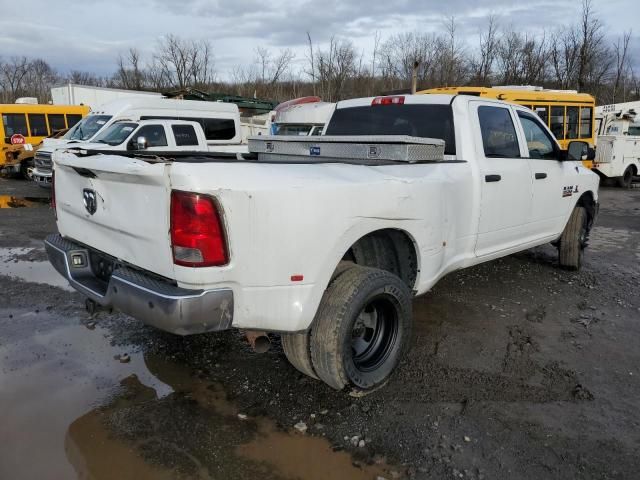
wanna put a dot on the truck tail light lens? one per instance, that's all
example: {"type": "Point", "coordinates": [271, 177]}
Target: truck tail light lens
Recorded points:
{"type": "Point", "coordinates": [393, 100]}
{"type": "Point", "coordinates": [197, 235]}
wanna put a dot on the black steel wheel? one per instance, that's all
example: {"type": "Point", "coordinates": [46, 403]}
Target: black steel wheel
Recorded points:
{"type": "Point", "coordinates": [361, 330]}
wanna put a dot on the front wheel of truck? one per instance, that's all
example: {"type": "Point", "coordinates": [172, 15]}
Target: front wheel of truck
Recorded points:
{"type": "Point", "coordinates": [573, 240]}
{"type": "Point", "coordinates": [361, 330]}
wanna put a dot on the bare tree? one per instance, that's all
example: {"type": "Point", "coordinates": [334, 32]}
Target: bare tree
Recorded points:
{"type": "Point", "coordinates": [85, 78]}
{"type": "Point", "coordinates": [185, 63]}
{"type": "Point", "coordinates": [621, 65]}
{"type": "Point", "coordinates": [129, 74]}
{"type": "Point", "coordinates": [488, 49]}
{"type": "Point", "coordinates": [591, 36]}
{"type": "Point", "coordinates": [39, 80]}
{"type": "Point", "coordinates": [563, 53]}
{"type": "Point", "coordinates": [12, 75]}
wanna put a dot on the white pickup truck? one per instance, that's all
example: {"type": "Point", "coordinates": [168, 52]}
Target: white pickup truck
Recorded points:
{"type": "Point", "coordinates": [151, 136]}
{"type": "Point", "coordinates": [323, 239]}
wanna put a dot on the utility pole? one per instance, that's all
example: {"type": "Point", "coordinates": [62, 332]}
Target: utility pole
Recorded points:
{"type": "Point", "coordinates": [414, 77]}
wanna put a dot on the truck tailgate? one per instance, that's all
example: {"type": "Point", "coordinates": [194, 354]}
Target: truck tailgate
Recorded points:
{"type": "Point", "coordinates": [130, 218]}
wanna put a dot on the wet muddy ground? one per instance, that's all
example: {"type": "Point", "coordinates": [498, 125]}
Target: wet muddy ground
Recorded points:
{"type": "Point", "coordinates": [518, 370]}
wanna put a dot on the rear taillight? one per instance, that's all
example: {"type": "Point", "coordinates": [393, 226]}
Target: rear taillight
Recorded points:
{"type": "Point", "coordinates": [197, 235]}
{"type": "Point", "coordinates": [394, 100]}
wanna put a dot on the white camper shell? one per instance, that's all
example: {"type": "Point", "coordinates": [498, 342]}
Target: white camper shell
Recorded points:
{"type": "Point", "coordinates": [303, 119]}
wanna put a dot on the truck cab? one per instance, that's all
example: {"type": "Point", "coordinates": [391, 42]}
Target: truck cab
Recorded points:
{"type": "Point", "coordinates": [150, 136]}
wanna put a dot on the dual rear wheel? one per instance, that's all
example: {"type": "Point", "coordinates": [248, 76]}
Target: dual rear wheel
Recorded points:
{"type": "Point", "coordinates": [361, 331]}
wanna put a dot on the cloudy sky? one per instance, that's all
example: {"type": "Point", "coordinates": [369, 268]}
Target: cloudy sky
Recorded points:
{"type": "Point", "coordinates": [89, 34]}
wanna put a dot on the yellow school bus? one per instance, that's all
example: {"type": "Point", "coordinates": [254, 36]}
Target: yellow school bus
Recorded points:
{"type": "Point", "coordinates": [24, 126]}
{"type": "Point", "coordinates": [568, 114]}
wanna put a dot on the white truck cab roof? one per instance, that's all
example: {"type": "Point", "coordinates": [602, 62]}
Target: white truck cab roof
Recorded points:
{"type": "Point", "coordinates": [159, 135]}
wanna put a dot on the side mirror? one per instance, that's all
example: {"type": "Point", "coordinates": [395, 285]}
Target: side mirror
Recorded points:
{"type": "Point", "coordinates": [141, 143]}
{"type": "Point", "coordinates": [577, 151]}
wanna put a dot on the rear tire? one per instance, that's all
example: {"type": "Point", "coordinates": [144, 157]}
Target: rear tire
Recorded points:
{"type": "Point", "coordinates": [361, 330]}
{"type": "Point", "coordinates": [296, 345]}
{"type": "Point", "coordinates": [296, 348]}
{"type": "Point", "coordinates": [627, 177]}
{"type": "Point", "coordinates": [573, 240]}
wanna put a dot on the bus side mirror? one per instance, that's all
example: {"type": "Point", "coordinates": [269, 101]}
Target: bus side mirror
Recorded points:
{"type": "Point", "coordinates": [577, 151]}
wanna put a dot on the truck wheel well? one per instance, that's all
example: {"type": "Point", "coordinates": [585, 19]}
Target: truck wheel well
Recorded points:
{"type": "Point", "coordinates": [587, 201]}
{"type": "Point", "coordinates": [389, 249]}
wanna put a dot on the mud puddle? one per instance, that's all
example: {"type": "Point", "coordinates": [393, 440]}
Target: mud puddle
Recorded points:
{"type": "Point", "coordinates": [79, 411]}
{"type": "Point", "coordinates": [11, 201]}
{"type": "Point", "coordinates": [30, 265]}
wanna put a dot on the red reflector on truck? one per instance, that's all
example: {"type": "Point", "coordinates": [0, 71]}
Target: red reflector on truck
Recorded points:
{"type": "Point", "coordinates": [197, 235]}
{"type": "Point", "coordinates": [395, 100]}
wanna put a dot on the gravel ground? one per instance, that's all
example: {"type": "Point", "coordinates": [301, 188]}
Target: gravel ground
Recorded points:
{"type": "Point", "coordinates": [518, 370]}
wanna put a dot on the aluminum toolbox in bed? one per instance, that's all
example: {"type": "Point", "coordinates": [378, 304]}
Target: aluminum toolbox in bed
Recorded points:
{"type": "Point", "coordinates": [365, 148]}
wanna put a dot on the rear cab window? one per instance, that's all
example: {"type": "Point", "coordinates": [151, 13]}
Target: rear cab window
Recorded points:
{"type": "Point", "coordinates": [417, 120]}
{"type": "Point", "coordinates": [185, 135]}
{"type": "Point", "coordinates": [214, 128]}
{"type": "Point", "coordinates": [499, 137]}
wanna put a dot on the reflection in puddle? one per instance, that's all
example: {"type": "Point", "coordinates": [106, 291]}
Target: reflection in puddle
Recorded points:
{"type": "Point", "coordinates": [146, 419]}
{"type": "Point", "coordinates": [9, 201]}
{"type": "Point", "coordinates": [15, 262]}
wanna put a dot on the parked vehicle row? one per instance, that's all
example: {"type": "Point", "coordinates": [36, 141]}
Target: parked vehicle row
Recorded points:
{"type": "Point", "coordinates": [323, 239]}
{"type": "Point", "coordinates": [23, 128]}
{"type": "Point", "coordinates": [219, 121]}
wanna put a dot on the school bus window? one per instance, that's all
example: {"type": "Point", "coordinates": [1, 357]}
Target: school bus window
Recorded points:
{"type": "Point", "coordinates": [557, 122]}
{"type": "Point", "coordinates": [72, 119]}
{"type": "Point", "coordinates": [585, 122]}
{"type": "Point", "coordinates": [38, 125]}
{"type": "Point", "coordinates": [543, 113]}
{"type": "Point", "coordinates": [14, 123]}
{"type": "Point", "coordinates": [56, 122]}
{"type": "Point", "coordinates": [572, 122]}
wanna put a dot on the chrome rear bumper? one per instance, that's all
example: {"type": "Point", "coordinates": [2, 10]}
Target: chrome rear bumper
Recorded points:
{"type": "Point", "coordinates": [153, 301]}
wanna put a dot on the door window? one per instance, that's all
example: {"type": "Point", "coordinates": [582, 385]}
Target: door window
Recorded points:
{"type": "Point", "coordinates": [498, 133]}
{"type": "Point", "coordinates": [185, 135]}
{"type": "Point", "coordinates": [38, 125]}
{"type": "Point", "coordinates": [539, 143]}
{"type": "Point", "coordinates": [154, 134]}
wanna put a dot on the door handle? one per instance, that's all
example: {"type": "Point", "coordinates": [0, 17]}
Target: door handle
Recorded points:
{"type": "Point", "coordinates": [540, 176]}
{"type": "Point", "coordinates": [492, 178]}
